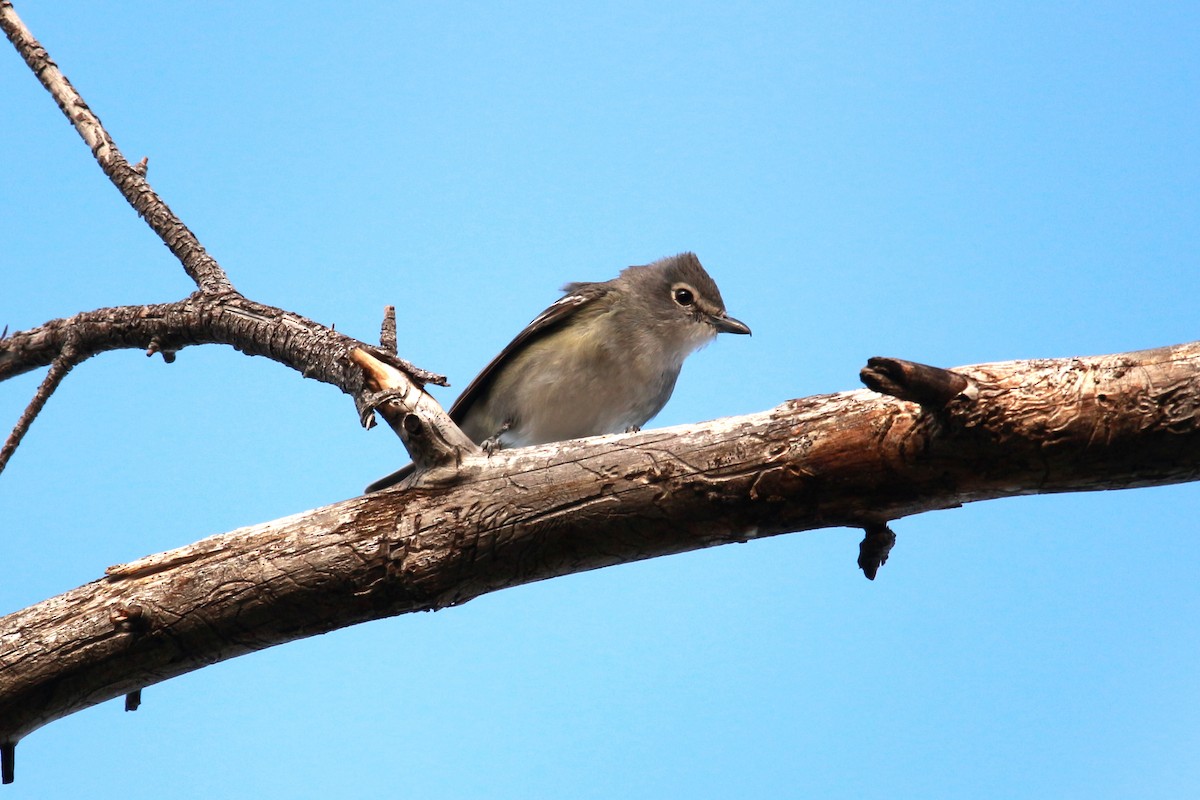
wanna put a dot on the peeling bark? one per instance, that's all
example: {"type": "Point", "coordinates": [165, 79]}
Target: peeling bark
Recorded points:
{"type": "Point", "coordinates": [851, 459]}
{"type": "Point", "coordinates": [475, 524]}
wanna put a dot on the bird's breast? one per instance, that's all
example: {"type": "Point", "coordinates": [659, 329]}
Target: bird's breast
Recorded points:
{"type": "Point", "coordinates": [566, 388]}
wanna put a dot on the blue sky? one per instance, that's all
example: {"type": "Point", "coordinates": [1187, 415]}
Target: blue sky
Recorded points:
{"type": "Point", "coordinates": [950, 184]}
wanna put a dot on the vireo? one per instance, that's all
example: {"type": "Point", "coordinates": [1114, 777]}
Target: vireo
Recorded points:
{"type": "Point", "coordinates": [602, 359]}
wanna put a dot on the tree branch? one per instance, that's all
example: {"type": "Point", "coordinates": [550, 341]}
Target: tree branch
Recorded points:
{"type": "Point", "coordinates": [486, 523]}
{"type": "Point", "coordinates": [932, 387]}
{"type": "Point", "coordinates": [435, 442]}
{"type": "Point", "coordinates": [215, 314]}
{"type": "Point", "coordinates": [310, 348]}
{"type": "Point", "coordinates": [129, 180]}
{"type": "Point", "coordinates": [63, 363]}
{"type": "Point", "coordinates": [313, 350]}
{"type": "Point", "coordinates": [851, 459]}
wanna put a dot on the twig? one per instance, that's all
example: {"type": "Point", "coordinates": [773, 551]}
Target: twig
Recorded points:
{"type": "Point", "coordinates": [387, 331]}
{"type": "Point", "coordinates": [8, 758]}
{"type": "Point", "coordinates": [873, 550]}
{"type": "Point", "coordinates": [129, 180]}
{"type": "Point", "coordinates": [66, 360]}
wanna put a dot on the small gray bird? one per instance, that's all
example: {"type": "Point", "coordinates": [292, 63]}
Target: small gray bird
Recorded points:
{"type": "Point", "coordinates": [602, 359]}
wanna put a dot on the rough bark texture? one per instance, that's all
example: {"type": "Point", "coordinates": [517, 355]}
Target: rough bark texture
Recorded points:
{"type": "Point", "coordinates": [471, 527]}
{"type": "Point", "coordinates": [313, 350]}
{"type": "Point", "coordinates": [215, 314]}
{"type": "Point", "coordinates": [855, 458]}
{"type": "Point", "coordinates": [129, 180]}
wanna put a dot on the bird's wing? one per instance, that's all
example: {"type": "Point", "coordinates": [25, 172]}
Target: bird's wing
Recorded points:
{"type": "Point", "coordinates": [578, 295]}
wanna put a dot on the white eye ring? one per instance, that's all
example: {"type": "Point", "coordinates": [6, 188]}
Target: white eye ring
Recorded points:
{"type": "Point", "coordinates": [683, 296]}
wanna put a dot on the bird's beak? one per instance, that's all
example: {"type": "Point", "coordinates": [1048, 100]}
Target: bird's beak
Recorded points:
{"type": "Point", "coordinates": [727, 324]}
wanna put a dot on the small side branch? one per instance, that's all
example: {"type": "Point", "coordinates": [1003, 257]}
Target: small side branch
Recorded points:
{"type": "Point", "coordinates": [66, 360]}
{"type": "Point", "coordinates": [387, 331]}
{"type": "Point", "coordinates": [931, 387]}
{"type": "Point", "coordinates": [8, 759]}
{"type": "Point", "coordinates": [311, 349]}
{"type": "Point", "coordinates": [432, 438]}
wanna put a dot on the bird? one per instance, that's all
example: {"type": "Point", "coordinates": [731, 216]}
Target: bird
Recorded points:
{"type": "Point", "coordinates": [603, 358]}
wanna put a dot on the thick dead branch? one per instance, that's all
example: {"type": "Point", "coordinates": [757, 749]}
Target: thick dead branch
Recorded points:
{"type": "Point", "coordinates": [854, 459]}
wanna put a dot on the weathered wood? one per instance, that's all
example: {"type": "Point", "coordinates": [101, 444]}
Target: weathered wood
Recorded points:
{"type": "Point", "coordinates": [130, 180]}
{"type": "Point", "coordinates": [856, 459]}
{"type": "Point", "coordinates": [932, 387]}
{"type": "Point", "coordinates": [433, 440]}
{"type": "Point", "coordinates": [312, 349]}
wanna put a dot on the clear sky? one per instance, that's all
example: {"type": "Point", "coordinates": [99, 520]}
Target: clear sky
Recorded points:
{"type": "Point", "coordinates": [948, 183]}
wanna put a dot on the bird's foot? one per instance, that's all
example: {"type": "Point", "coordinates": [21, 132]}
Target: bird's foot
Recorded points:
{"type": "Point", "coordinates": [492, 443]}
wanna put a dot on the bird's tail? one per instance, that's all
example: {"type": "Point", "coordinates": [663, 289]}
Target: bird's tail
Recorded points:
{"type": "Point", "coordinates": [390, 480]}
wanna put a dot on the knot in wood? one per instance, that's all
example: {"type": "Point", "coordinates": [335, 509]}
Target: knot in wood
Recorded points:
{"type": "Point", "coordinates": [129, 618]}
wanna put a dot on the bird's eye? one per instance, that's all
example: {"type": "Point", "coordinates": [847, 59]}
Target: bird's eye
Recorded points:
{"type": "Point", "coordinates": [684, 297]}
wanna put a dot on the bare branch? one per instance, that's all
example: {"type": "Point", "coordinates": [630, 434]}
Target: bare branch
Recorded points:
{"type": "Point", "coordinates": [216, 314]}
{"type": "Point", "coordinates": [67, 358]}
{"type": "Point", "coordinates": [932, 387]}
{"type": "Point", "coordinates": [874, 549]}
{"type": "Point", "coordinates": [387, 331]}
{"type": "Point", "coordinates": [433, 439]}
{"type": "Point", "coordinates": [252, 328]}
{"type": "Point", "coordinates": [854, 459]}
{"type": "Point", "coordinates": [129, 180]}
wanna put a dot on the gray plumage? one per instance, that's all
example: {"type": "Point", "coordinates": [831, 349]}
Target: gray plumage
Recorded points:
{"type": "Point", "coordinates": [602, 359]}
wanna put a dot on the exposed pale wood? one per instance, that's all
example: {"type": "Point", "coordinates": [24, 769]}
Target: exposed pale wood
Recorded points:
{"type": "Point", "coordinates": [215, 314]}
{"type": "Point", "coordinates": [474, 525]}
{"type": "Point", "coordinates": [855, 458]}
{"type": "Point", "coordinates": [433, 440]}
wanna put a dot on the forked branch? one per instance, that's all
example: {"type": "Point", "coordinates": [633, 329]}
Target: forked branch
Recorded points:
{"type": "Point", "coordinates": [216, 314]}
